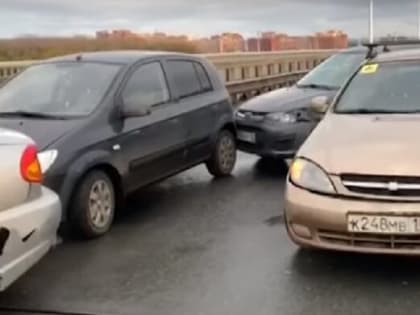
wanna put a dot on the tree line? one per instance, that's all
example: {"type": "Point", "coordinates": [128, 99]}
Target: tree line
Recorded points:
{"type": "Point", "coordinates": [42, 48]}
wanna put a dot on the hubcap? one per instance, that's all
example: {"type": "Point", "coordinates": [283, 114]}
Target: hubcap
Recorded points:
{"type": "Point", "coordinates": [100, 203]}
{"type": "Point", "coordinates": [227, 153]}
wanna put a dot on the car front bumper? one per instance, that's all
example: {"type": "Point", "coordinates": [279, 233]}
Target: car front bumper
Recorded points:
{"type": "Point", "coordinates": [320, 221]}
{"type": "Point", "coordinates": [269, 142]}
{"type": "Point", "coordinates": [27, 232]}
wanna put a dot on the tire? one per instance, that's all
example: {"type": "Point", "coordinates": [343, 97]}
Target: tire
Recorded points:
{"type": "Point", "coordinates": [93, 205]}
{"type": "Point", "coordinates": [223, 158]}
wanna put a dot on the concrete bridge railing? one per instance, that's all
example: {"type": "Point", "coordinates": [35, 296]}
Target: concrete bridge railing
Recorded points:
{"type": "Point", "coordinates": [245, 74]}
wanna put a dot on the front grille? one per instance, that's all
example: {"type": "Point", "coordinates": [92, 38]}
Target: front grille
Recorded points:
{"type": "Point", "coordinates": [379, 241]}
{"type": "Point", "coordinates": [397, 186]}
{"type": "Point", "coordinates": [380, 178]}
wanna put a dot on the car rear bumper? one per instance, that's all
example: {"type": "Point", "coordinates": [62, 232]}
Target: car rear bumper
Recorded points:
{"type": "Point", "coordinates": [269, 143]}
{"type": "Point", "coordinates": [320, 221]}
{"type": "Point", "coordinates": [27, 233]}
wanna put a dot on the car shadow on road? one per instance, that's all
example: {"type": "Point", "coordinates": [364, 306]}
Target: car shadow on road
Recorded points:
{"type": "Point", "coordinates": [271, 168]}
{"type": "Point", "coordinates": [338, 266]}
{"type": "Point", "coordinates": [168, 197]}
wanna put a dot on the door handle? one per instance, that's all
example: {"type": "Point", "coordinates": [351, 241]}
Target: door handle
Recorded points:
{"type": "Point", "coordinates": [174, 120]}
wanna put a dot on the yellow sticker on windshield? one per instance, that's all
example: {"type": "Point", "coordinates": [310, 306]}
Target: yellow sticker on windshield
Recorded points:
{"type": "Point", "coordinates": [370, 69]}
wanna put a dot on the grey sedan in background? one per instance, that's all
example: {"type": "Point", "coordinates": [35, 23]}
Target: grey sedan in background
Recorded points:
{"type": "Point", "coordinates": [29, 213]}
{"type": "Point", "coordinates": [277, 123]}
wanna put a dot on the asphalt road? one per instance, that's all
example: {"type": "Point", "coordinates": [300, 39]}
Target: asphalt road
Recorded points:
{"type": "Point", "coordinates": [195, 246]}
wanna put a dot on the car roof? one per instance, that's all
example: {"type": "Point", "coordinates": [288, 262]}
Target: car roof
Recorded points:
{"type": "Point", "coordinates": [116, 56]}
{"type": "Point", "coordinates": [355, 50]}
{"type": "Point", "coordinates": [402, 54]}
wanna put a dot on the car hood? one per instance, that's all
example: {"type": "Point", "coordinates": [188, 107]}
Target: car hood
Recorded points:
{"type": "Point", "coordinates": [284, 99]}
{"type": "Point", "coordinates": [366, 144]}
{"type": "Point", "coordinates": [43, 131]}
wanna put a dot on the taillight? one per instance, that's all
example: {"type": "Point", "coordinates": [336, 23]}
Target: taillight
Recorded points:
{"type": "Point", "coordinates": [30, 167]}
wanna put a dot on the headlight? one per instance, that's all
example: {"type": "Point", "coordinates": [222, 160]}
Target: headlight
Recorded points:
{"type": "Point", "coordinates": [239, 115]}
{"type": "Point", "coordinates": [310, 176]}
{"type": "Point", "coordinates": [281, 117]}
{"type": "Point", "coordinates": [47, 159]}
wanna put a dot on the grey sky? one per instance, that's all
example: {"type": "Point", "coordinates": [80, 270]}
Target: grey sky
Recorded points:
{"type": "Point", "coordinates": [195, 17]}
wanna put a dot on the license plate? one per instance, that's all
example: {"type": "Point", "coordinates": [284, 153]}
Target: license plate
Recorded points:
{"type": "Point", "coordinates": [247, 136]}
{"type": "Point", "coordinates": [382, 224]}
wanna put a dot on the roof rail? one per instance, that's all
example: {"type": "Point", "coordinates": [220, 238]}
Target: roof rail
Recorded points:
{"type": "Point", "coordinates": [372, 51]}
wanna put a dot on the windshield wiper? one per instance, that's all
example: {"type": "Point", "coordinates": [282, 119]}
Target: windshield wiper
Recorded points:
{"type": "Point", "coordinates": [317, 86]}
{"type": "Point", "coordinates": [28, 114]}
{"type": "Point", "coordinates": [375, 111]}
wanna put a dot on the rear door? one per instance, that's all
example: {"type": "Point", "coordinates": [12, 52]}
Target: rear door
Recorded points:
{"type": "Point", "coordinates": [193, 91]}
{"type": "Point", "coordinates": [152, 145]}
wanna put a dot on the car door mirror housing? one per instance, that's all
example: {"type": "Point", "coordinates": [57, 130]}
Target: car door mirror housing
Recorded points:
{"type": "Point", "coordinates": [134, 109]}
{"type": "Point", "coordinates": [320, 104]}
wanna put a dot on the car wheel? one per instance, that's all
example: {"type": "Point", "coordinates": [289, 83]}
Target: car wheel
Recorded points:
{"type": "Point", "coordinates": [223, 158]}
{"type": "Point", "coordinates": [93, 205]}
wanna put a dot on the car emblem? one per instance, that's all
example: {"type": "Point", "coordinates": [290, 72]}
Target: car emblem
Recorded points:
{"type": "Point", "coordinates": [393, 186]}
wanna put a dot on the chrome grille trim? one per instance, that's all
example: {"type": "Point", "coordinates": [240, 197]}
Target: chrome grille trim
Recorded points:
{"type": "Point", "coordinates": [381, 185]}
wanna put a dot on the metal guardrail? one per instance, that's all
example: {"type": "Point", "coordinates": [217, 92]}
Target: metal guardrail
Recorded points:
{"type": "Point", "coordinates": [243, 90]}
{"type": "Point", "coordinates": [245, 74]}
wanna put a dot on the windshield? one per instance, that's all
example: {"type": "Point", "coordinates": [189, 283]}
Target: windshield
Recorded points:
{"type": "Point", "coordinates": [62, 89]}
{"type": "Point", "coordinates": [383, 88]}
{"type": "Point", "coordinates": [334, 71]}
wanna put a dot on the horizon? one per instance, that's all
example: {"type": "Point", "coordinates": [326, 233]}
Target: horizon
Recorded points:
{"type": "Point", "coordinates": [49, 18]}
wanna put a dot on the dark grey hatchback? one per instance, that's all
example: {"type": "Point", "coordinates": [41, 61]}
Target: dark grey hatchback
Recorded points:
{"type": "Point", "coordinates": [277, 123]}
{"type": "Point", "coordinates": [108, 123]}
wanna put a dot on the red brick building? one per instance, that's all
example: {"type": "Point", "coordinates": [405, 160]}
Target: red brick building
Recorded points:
{"type": "Point", "coordinates": [332, 39]}
{"type": "Point", "coordinates": [232, 42]}
{"type": "Point", "coordinates": [271, 41]}
{"type": "Point", "coordinates": [253, 44]}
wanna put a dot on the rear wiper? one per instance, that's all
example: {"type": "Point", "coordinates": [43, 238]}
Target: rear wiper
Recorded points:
{"type": "Point", "coordinates": [317, 86]}
{"type": "Point", "coordinates": [28, 114]}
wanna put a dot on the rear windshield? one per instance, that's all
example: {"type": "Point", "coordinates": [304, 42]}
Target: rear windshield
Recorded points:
{"type": "Point", "coordinates": [383, 88]}
{"type": "Point", "coordinates": [334, 71]}
{"type": "Point", "coordinates": [65, 89]}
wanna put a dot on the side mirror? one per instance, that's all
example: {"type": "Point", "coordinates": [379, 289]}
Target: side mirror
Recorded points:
{"type": "Point", "coordinates": [131, 108]}
{"type": "Point", "coordinates": [320, 104]}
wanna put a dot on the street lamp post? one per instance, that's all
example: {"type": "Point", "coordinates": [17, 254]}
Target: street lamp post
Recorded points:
{"type": "Point", "coordinates": [418, 19]}
{"type": "Point", "coordinates": [371, 35]}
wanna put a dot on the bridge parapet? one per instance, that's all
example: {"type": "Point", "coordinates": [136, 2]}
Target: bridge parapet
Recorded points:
{"type": "Point", "coordinates": [245, 74]}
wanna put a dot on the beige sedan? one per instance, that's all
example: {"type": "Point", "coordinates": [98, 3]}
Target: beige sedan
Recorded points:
{"type": "Point", "coordinates": [355, 184]}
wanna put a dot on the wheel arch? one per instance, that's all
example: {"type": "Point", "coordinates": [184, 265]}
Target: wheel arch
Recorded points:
{"type": "Point", "coordinates": [230, 126]}
{"type": "Point", "coordinates": [79, 169]}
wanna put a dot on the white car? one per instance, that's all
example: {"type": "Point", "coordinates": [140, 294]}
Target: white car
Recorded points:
{"type": "Point", "coordinates": [29, 213]}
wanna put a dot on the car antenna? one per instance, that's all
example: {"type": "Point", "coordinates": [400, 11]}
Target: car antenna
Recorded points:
{"type": "Point", "coordinates": [372, 52]}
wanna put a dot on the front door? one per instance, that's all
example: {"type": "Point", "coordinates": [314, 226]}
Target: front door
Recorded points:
{"type": "Point", "coordinates": [152, 145]}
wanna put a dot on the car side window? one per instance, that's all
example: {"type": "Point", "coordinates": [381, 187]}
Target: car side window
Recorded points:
{"type": "Point", "coordinates": [146, 86]}
{"type": "Point", "coordinates": [185, 77]}
{"type": "Point", "coordinates": [203, 77]}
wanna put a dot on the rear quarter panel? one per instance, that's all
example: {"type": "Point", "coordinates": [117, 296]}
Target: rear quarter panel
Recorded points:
{"type": "Point", "coordinates": [14, 190]}
{"type": "Point", "coordinates": [223, 107]}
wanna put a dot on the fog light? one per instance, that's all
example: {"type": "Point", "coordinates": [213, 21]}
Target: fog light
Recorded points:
{"type": "Point", "coordinates": [302, 231]}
